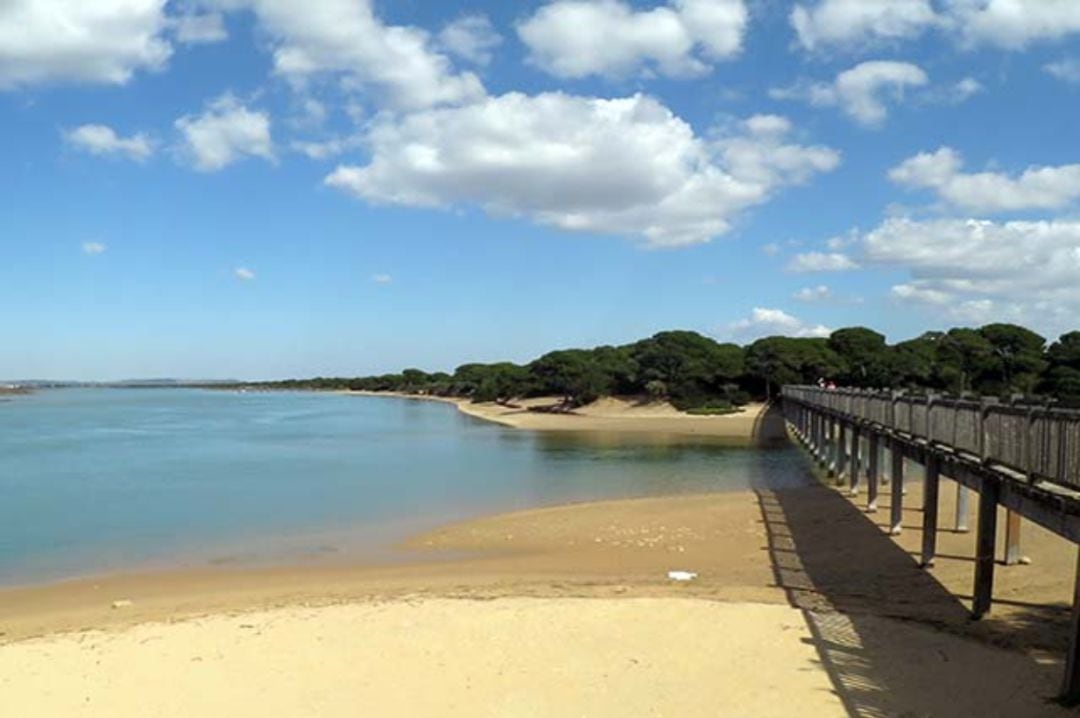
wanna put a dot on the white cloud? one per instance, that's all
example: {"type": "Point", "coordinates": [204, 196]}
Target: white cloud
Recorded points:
{"type": "Point", "coordinates": [862, 91]}
{"type": "Point", "coordinates": [199, 28]}
{"type": "Point", "coordinates": [1034, 188]}
{"type": "Point", "coordinates": [1066, 69]}
{"type": "Point", "coordinates": [103, 140]}
{"type": "Point", "coordinates": [1013, 24]}
{"type": "Point", "coordinates": [820, 293]}
{"type": "Point", "coordinates": [821, 262]}
{"type": "Point", "coordinates": [244, 274]}
{"type": "Point", "coordinates": [103, 41]}
{"type": "Point", "coordinates": [224, 133]}
{"type": "Point", "coordinates": [976, 270]}
{"type": "Point", "coordinates": [345, 38]}
{"type": "Point", "coordinates": [764, 322]}
{"type": "Point", "coordinates": [771, 249]}
{"type": "Point", "coordinates": [471, 38]}
{"type": "Point", "coordinates": [964, 89]}
{"type": "Point", "coordinates": [622, 166]}
{"type": "Point", "coordinates": [1009, 24]}
{"type": "Point", "coordinates": [382, 278]}
{"type": "Point", "coordinates": [93, 248]}
{"type": "Point", "coordinates": [326, 148]}
{"type": "Point", "coordinates": [860, 22]}
{"type": "Point", "coordinates": [578, 38]}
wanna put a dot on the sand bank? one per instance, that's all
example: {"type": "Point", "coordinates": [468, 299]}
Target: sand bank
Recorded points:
{"type": "Point", "coordinates": [803, 606]}
{"type": "Point", "coordinates": [615, 415]}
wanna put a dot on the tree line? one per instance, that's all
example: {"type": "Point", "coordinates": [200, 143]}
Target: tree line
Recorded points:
{"type": "Point", "coordinates": [696, 373]}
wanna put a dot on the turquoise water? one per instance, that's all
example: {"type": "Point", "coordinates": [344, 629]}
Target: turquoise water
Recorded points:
{"type": "Point", "coordinates": [98, 480]}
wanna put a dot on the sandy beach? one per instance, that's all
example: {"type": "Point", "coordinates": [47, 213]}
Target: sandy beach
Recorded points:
{"type": "Point", "coordinates": [613, 415]}
{"type": "Point", "coordinates": [802, 605]}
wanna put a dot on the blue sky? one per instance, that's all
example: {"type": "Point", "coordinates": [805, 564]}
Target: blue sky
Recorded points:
{"type": "Point", "coordinates": [271, 188]}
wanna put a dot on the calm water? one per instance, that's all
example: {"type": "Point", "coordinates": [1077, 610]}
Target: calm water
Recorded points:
{"type": "Point", "coordinates": [93, 480]}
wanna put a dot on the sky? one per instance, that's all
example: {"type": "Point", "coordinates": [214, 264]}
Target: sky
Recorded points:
{"type": "Point", "coordinates": [279, 188]}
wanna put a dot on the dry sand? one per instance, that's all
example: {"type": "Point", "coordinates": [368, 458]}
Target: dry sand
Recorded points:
{"type": "Point", "coordinates": [509, 657]}
{"type": "Point", "coordinates": [611, 415]}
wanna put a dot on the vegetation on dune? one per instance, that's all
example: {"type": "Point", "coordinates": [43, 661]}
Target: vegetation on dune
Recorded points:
{"type": "Point", "coordinates": [698, 374]}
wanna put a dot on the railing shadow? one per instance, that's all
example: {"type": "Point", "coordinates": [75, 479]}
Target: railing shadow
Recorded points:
{"type": "Point", "coordinates": [851, 580]}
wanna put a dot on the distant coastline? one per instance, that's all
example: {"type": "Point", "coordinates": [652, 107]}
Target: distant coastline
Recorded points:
{"type": "Point", "coordinates": [615, 415]}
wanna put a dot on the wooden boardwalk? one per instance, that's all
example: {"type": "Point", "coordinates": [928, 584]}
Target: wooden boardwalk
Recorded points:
{"type": "Point", "coordinates": [1024, 458]}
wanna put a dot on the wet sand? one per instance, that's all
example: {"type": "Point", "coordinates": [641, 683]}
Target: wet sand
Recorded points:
{"type": "Point", "coordinates": [802, 604]}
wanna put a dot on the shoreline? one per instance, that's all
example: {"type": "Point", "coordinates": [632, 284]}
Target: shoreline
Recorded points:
{"type": "Point", "coordinates": [799, 578]}
{"type": "Point", "coordinates": [613, 415]}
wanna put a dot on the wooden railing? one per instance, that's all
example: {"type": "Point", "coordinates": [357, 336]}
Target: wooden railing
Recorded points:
{"type": "Point", "coordinates": [1039, 442]}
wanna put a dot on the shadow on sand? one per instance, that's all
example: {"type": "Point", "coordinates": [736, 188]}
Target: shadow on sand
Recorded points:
{"type": "Point", "coordinates": [852, 582]}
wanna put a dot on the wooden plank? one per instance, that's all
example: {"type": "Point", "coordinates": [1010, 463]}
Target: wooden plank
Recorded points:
{"type": "Point", "coordinates": [896, 510]}
{"type": "Point", "coordinates": [984, 547]}
{"type": "Point", "coordinates": [872, 477]}
{"type": "Point", "coordinates": [930, 509]}
{"type": "Point", "coordinates": [1070, 690]}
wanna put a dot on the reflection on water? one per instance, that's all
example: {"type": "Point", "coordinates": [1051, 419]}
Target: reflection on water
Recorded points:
{"type": "Point", "coordinates": [98, 479]}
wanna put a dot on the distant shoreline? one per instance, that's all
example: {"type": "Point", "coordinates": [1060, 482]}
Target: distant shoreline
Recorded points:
{"type": "Point", "coordinates": [609, 415]}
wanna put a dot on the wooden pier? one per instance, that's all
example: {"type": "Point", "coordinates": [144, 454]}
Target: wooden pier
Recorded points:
{"type": "Point", "coordinates": [1024, 458]}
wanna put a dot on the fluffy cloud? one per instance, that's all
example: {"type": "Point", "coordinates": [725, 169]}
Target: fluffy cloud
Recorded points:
{"type": "Point", "coordinates": [104, 41]}
{"type": "Point", "coordinates": [622, 166]}
{"type": "Point", "coordinates": [821, 262]}
{"type": "Point", "coordinates": [577, 38]}
{"type": "Point", "coordinates": [846, 22]}
{"type": "Point", "coordinates": [976, 269]}
{"type": "Point", "coordinates": [774, 322]}
{"type": "Point", "coordinates": [244, 274]}
{"type": "Point", "coordinates": [344, 37]}
{"type": "Point", "coordinates": [1013, 24]}
{"type": "Point", "coordinates": [224, 133]}
{"type": "Point", "coordinates": [1067, 69]}
{"type": "Point", "coordinates": [382, 279]}
{"type": "Point", "coordinates": [1034, 188]}
{"type": "Point", "coordinates": [471, 38]}
{"type": "Point", "coordinates": [93, 248]}
{"type": "Point", "coordinates": [1009, 24]}
{"type": "Point", "coordinates": [862, 91]}
{"type": "Point", "coordinates": [103, 140]}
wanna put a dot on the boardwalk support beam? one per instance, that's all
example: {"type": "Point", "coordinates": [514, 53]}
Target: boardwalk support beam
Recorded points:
{"type": "Point", "coordinates": [1012, 539]}
{"type": "Point", "coordinates": [963, 499]}
{"type": "Point", "coordinates": [896, 509]}
{"type": "Point", "coordinates": [930, 509]}
{"type": "Point", "coordinates": [985, 554]}
{"type": "Point", "coordinates": [1070, 690]}
{"type": "Point", "coordinates": [873, 475]}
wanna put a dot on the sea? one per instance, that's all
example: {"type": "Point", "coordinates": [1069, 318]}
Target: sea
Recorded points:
{"type": "Point", "coordinates": [103, 480]}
